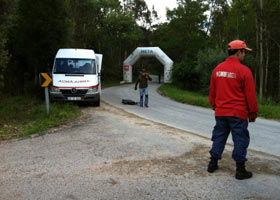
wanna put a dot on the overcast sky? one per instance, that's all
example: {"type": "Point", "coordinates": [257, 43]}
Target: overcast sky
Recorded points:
{"type": "Point", "coordinates": [160, 7]}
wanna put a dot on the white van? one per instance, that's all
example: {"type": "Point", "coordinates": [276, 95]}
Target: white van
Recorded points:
{"type": "Point", "coordinates": [76, 76]}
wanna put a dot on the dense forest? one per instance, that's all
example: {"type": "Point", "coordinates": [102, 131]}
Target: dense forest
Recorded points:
{"type": "Point", "coordinates": [195, 37]}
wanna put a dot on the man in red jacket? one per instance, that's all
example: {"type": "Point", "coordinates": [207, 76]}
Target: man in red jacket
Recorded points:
{"type": "Point", "coordinates": [233, 97]}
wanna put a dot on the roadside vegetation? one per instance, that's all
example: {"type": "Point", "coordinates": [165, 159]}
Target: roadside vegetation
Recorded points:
{"type": "Point", "coordinates": [111, 83]}
{"type": "Point", "coordinates": [22, 116]}
{"type": "Point", "coordinates": [267, 108]}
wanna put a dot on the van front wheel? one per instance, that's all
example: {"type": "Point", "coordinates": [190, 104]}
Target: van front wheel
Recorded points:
{"type": "Point", "coordinates": [97, 101]}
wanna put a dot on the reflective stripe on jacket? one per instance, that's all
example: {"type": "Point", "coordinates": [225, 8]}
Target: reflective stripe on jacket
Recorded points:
{"type": "Point", "coordinates": [232, 90]}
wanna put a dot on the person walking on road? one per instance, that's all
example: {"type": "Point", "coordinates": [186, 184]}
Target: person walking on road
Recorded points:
{"type": "Point", "coordinates": [143, 86]}
{"type": "Point", "coordinates": [233, 97]}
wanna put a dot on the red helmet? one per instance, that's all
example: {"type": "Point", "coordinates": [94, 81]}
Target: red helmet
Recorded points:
{"type": "Point", "coordinates": [238, 44]}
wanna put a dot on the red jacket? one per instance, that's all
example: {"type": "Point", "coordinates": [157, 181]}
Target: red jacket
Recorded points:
{"type": "Point", "coordinates": [232, 90]}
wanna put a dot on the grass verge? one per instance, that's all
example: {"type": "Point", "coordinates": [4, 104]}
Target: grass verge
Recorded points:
{"type": "Point", "coordinates": [266, 110]}
{"type": "Point", "coordinates": [21, 116]}
{"type": "Point", "coordinates": [107, 84]}
{"type": "Point", "coordinates": [184, 96]}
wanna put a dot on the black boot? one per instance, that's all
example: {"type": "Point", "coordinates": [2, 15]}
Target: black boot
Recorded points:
{"type": "Point", "coordinates": [213, 165]}
{"type": "Point", "coordinates": [241, 172]}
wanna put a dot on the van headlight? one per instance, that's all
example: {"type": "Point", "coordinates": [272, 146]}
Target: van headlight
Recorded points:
{"type": "Point", "coordinates": [92, 90]}
{"type": "Point", "coordinates": [55, 89]}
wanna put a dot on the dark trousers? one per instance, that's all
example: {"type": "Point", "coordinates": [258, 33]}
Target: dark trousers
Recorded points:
{"type": "Point", "coordinates": [240, 136]}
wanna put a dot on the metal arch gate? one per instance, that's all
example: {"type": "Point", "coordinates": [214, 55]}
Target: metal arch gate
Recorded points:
{"type": "Point", "coordinates": [147, 52]}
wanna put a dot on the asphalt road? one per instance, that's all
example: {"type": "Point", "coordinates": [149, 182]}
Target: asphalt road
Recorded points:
{"type": "Point", "coordinates": [264, 134]}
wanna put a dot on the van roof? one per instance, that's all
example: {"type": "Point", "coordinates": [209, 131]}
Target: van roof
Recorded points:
{"type": "Point", "coordinates": [75, 53]}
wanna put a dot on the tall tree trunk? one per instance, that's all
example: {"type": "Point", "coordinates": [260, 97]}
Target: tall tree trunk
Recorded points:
{"type": "Point", "coordinates": [257, 49]}
{"type": "Point", "coordinates": [278, 45]}
{"type": "Point", "coordinates": [237, 27]}
{"type": "Point", "coordinates": [1, 82]}
{"type": "Point", "coordinates": [120, 55]}
{"type": "Point", "coordinates": [36, 76]}
{"type": "Point", "coordinates": [125, 53]}
{"type": "Point", "coordinates": [261, 52]}
{"type": "Point", "coordinates": [211, 5]}
{"type": "Point", "coordinates": [279, 73]}
{"type": "Point", "coordinates": [99, 45]}
{"type": "Point", "coordinates": [266, 66]}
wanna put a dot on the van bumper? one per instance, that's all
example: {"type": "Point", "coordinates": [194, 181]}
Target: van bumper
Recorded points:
{"type": "Point", "coordinates": [91, 97]}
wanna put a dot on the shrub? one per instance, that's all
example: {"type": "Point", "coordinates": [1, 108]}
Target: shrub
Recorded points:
{"type": "Point", "coordinates": [185, 76]}
{"type": "Point", "coordinates": [207, 60]}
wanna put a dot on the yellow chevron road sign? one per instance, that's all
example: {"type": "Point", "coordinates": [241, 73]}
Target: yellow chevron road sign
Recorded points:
{"type": "Point", "coordinates": [48, 79]}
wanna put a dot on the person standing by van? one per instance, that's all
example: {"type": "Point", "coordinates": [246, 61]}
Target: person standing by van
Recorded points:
{"type": "Point", "coordinates": [233, 97]}
{"type": "Point", "coordinates": [143, 86]}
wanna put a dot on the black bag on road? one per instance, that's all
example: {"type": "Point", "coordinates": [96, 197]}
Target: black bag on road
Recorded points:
{"type": "Point", "coordinates": [129, 102]}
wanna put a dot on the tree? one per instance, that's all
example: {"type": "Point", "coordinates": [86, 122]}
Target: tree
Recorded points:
{"type": "Point", "coordinates": [86, 18]}
{"type": "Point", "coordinates": [217, 23]}
{"type": "Point", "coordinates": [120, 34]}
{"type": "Point", "coordinates": [140, 11]}
{"type": "Point", "coordinates": [272, 30]}
{"type": "Point", "coordinates": [182, 38]}
{"type": "Point", "coordinates": [207, 60]}
{"type": "Point", "coordinates": [6, 14]}
{"type": "Point", "coordinates": [261, 76]}
{"type": "Point", "coordinates": [267, 42]}
{"type": "Point", "coordinates": [184, 35]}
{"type": "Point", "coordinates": [41, 29]}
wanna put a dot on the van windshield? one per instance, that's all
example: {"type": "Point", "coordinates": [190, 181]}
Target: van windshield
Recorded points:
{"type": "Point", "coordinates": [74, 66]}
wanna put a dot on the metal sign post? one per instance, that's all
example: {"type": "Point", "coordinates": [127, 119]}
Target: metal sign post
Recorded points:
{"type": "Point", "coordinates": [46, 83]}
{"type": "Point", "coordinates": [47, 99]}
